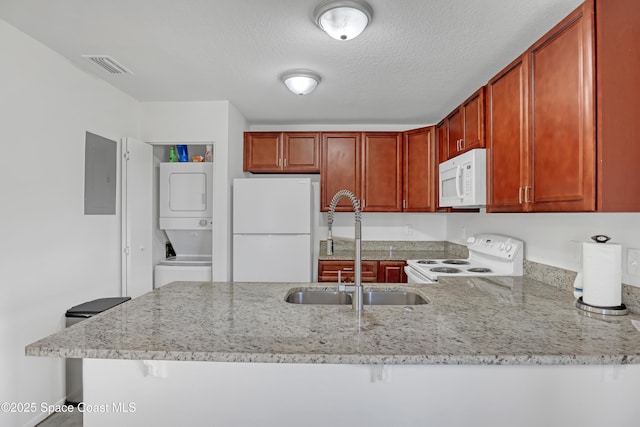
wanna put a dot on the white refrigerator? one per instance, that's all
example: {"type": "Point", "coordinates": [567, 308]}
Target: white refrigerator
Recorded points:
{"type": "Point", "coordinates": [272, 238]}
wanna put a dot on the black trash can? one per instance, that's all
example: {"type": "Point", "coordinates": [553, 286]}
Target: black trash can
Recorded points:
{"type": "Point", "coordinates": [74, 315]}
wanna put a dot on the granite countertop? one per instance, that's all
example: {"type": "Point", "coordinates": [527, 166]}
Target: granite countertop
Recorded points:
{"type": "Point", "coordinates": [491, 320]}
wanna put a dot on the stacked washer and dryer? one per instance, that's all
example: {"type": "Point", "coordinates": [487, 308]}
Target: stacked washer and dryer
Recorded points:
{"type": "Point", "coordinates": [186, 216]}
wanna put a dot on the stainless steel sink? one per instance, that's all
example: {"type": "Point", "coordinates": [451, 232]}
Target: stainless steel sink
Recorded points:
{"type": "Point", "coordinates": [330, 297]}
{"type": "Point", "coordinates": [392, 298]}
{"type": "Point", "coordinates": [318, 297]}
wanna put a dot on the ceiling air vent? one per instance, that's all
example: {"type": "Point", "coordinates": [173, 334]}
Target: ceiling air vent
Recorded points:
{"type": "Point", "coordinates": [108, 63]}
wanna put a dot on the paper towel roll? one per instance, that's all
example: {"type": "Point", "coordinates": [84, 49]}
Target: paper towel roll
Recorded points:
{"type": "Point", "coordinates": [602, 274]}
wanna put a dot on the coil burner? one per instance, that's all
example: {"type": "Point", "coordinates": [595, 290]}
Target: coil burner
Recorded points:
{"type": "Point", "coordinates": [479, 270]}
{"type": "Point", "coordinates": [449, 270]}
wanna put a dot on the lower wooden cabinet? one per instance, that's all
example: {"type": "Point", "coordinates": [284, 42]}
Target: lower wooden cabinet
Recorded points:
{"type": "Point", "coordinates": [372, 271]}
{"type": "Point", "coordinates": [391, 272]}
{"type": "Point", "coordinates": [328, 271]}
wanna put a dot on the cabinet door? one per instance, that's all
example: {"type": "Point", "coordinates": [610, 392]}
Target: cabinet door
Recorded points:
{"type": "Point", "coordinates": [456, 133]}
{"type": "Point", "coordinates": [507, 138]}
{"type": "Point", "coordinates": [391, 272]}
{"type": "Point", "coordinates": [301, 152]}
{"type": "Point", "coordinates": [263, 151]}
{"type": "Point", "coordinates": [137, 208]}
{"type": "Point", "coordinates": [340, 168]}
{"type": "Point", "coordinates": [562, 157]}
{"type": "Point", "coordinates": [419, 171]}
{"type": "Point", "coordinates": [382, 172]}
{"type": "Point", "coordinates": [442, 136]}
{"type": "Point", "coordinates": [328, 271]}
{"type": "Point", "coordinates": [473, 121]}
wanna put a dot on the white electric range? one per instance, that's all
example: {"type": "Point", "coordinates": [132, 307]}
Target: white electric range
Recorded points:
{"type": "Point", "coordinates": [489, 255]}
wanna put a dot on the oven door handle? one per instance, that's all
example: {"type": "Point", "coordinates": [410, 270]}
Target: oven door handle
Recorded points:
{"type": "Point", "coordinates": [414, 277]}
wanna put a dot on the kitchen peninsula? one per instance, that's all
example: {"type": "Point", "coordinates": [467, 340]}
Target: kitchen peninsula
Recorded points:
{"type": "Point", "coordinates": [238, 354]}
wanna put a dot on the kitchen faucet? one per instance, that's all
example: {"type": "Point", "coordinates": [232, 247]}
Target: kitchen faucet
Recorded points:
{"type": "Point", "coordinates": [356, 288]}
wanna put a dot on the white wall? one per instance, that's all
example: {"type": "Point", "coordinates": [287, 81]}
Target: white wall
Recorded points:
{"type": "Point", "coordinates": [52, 256]}
{"type": "Point", "coordinates": [551, 238]}
{"type": "Point", "coordinates": [389, 226]}
{"type": "Point", "coordinates": [235, 153]}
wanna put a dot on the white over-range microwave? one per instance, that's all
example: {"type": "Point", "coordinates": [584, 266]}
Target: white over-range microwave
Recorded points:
{"type": "Point", "coordinates": [463, 180]}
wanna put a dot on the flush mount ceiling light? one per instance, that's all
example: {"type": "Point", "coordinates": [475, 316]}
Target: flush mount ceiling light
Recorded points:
{"type": "Point", "coordinates": [343, 20]}
{"type": "Point", "coordinates": [301, 82]}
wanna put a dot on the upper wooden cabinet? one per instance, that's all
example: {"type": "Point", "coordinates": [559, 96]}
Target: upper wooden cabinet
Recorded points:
{"type": "Point", "coordinates": [540, 121]}
{"type": "Point", "coordinates": [507, 138]}
{"type": "Point", "coordinates": [340, 168]}
{"type": "Point", "coordinates": [456, 133]}
{"type": "Point", "coordinates": [442, 138]}
{"type": "Point", "coordinates": [368, 164]}
{"type": "Point", "coordinates": [554, 142]}
{"type": "Point", "coordinates": [465, 126]}
{"type": "Point", "coordinates": [262, 151]}
{"type": "Point", "coordinates": [381, 172]}
{"type": "Point", "coordinates": [420, 171]}
{"type": "Point", "coordinates": [473, 112]}
{"type": "Point", "coordinates": [562, 140]}
{"type": "Point", "coordinates": [387, 171]}
{"type": "Point", "coordinates": [282, 152]}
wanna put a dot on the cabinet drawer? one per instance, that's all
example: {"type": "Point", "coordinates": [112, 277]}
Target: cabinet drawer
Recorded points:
{"type": "Point", "coordinates": [328, 271]}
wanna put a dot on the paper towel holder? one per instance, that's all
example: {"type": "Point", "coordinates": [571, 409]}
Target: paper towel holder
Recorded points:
{"type": "Point", "coordinates": [619, 310]}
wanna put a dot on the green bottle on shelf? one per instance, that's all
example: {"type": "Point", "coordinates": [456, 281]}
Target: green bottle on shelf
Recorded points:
{"type": "Point", "coordinates": [172, 155]}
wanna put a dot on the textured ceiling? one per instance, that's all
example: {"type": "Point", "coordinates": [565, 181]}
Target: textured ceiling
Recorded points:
{"type": "Point", "coordinates": [415, 62]}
